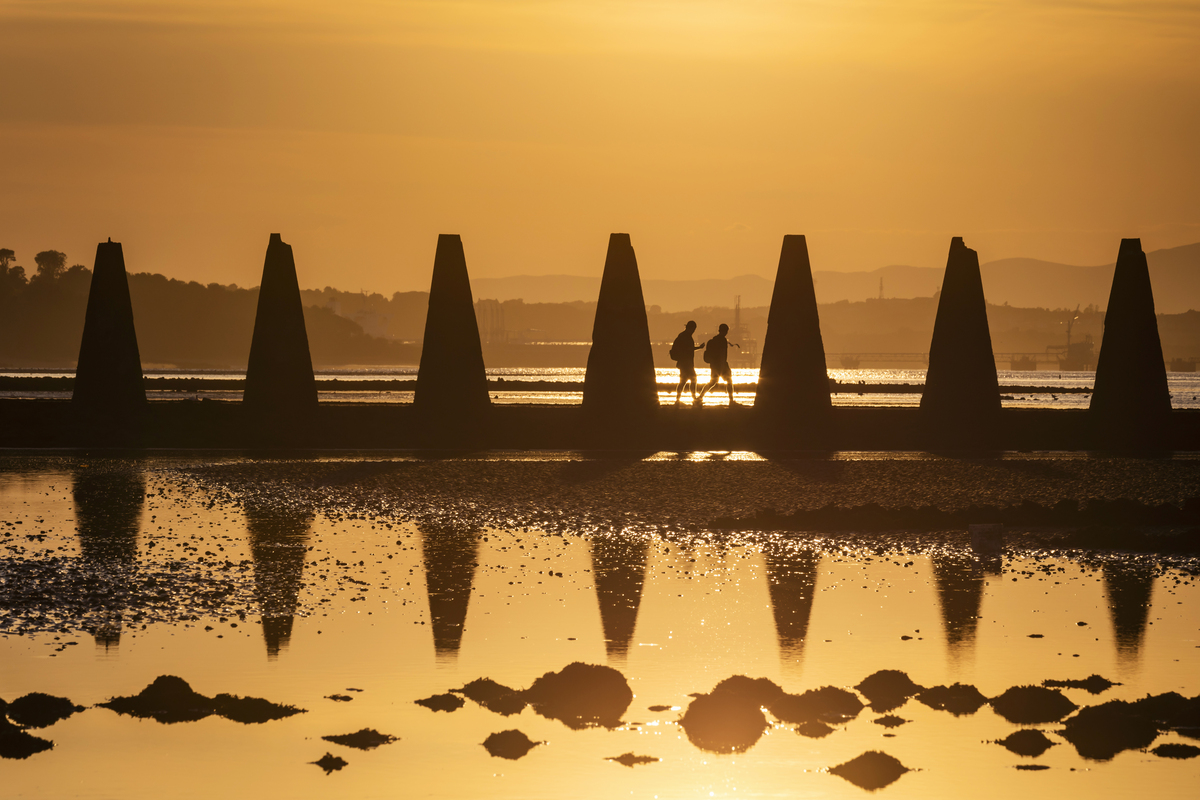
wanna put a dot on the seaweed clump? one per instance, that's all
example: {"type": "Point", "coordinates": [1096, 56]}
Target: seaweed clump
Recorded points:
{"type": "Point", "coordinates": [871, 771]}
{"type": "Point", "coordinates": [1030, 705]}
{"type": "Point", "coordinates": [169, 699]}
{"type": "Point", "coordinates": [37, 710]}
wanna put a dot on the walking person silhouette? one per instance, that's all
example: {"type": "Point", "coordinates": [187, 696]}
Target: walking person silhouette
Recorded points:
{"type": "Point", "coordinates": [683, 353]}
{"type": "Point", "coordinates": [716, 353]}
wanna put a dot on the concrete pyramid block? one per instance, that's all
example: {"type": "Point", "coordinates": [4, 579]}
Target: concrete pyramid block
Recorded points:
{"type": "Point", "coordinates": [279, 375]}
{"type": "Point", "coordinates": [792, 380]}
{"type": "Point", "coordinates": [451, 375]}
{"type": "Point", "coordinates": [620, 368]}
{"type": "Point", "coordinates": [108, 377]}
{"type": "Point", "coordinates": [1131, 379]}
{"type": "Point", "coordinates": [961, 383]}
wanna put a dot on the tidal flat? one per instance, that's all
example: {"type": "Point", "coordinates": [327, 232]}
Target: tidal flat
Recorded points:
{"type": "Point", "coordinates": [381, 625]}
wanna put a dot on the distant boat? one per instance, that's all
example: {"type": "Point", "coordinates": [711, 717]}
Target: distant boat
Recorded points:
{"type": "Point", "coordinates": [1182, 365]}
{"type": "Point", "coordinates": [1023, 364]}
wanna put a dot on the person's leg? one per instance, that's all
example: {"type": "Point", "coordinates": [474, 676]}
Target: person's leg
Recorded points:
{"type": "Point", "coordinates": [729, 383]}
{"type": "Point", "coordinates": [679, 388]}
{"type": "Point", "coordinates": [716, 376]}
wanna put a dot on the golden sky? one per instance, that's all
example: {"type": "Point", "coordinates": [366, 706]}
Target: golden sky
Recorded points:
{"type": "Point", "coordinates": [361, 129]}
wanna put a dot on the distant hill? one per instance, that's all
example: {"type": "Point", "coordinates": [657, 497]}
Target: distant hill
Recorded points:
{"type": "Point", "coordinates": [1021, 282]}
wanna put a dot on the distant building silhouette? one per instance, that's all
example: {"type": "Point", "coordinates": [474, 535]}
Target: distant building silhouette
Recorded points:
{"type": "Point", "coordinates": [108, 512]}
{"type": "Point", "coordinates": [619, 565]}
{"type": "Point", "coordinates": [108, 377]}
{"type": "Point", "coordinates": [278, 543]}
{"type": "Point", "coordinates": [793, 384]}
{"type": "Point", "coordinates": [450, 555]}
{"type": "Point", "coordinates": [620, 375]}
{"type": "Point", "coordinates": [279, 374]}
{"type": "Point", "coordinates": [1130, 397]}
{"type": "Point", "coordinates": [961, 383]}
{"type": "Point", "coordinates": [451, 376]}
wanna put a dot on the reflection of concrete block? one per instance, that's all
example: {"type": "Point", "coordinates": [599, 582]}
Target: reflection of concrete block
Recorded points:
{"type": "Point", "coordinates": [620, 367]}
{"type": "Point", "coordinates": [109, 374]}
{"type": "Point", "coordinates": [988, 538]}
{"type": "Point", "coordinates": [1131, 379]}
{"type": "Point", "coordinates": [792, 377]}
{"type": "Point", "coordinates": [279, 373]}
{"type": "Point", "coordinates": [961, 383]}
{"type": "Point", "coordinates": [452, 375]}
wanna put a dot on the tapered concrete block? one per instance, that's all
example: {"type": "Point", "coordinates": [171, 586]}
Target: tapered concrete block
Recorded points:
{"type": "Point", "coordinates": [451, 377]}
{"type": "Point", "coordinates": [1131, 379]}
{"type": "Point", "coordinates": [108, 377]}
{"type": "Point", "coordinates": [279, 375]}
{"type": "Point", "coordinates": [961, 383]}
{"type": "Point", "coordinates": [620, 367]}
{"type": "Point", "coordinates": [793, 384]}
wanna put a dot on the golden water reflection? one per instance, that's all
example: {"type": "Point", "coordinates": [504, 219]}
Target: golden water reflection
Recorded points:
{"type": "Point", "coordinates": [403, 612]}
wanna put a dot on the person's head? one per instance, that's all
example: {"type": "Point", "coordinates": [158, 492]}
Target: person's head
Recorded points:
{"type": "Point", "coordinates": [724, 329]}
{"type": "Point", "coordinates": [691, 326]}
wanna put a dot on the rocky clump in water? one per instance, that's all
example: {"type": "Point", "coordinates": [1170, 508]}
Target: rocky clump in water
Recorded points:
{"type": "Point", "coordinates": [827, 704]}
{"type": "Point", "coordinates": [887, 689]}
{"type": "Point", "coordinates": [366, 739]}
{"type": "Point", "coordinates": [170, 699]}
{"type": "Point", "coordinates": [1027, 742]}
{"type": "Point", "coordinates": [814, 729]}
{"type": "Point", "coordinates": [510, 744]}
{"type": "Point", "coordinates": [1093, 684]}
{"type": "Point", "coordinates": [442, 702]}
{"type": "Point", "coordinates": [631, 760]}
{"type": "Point", "coordinates": [729, 719]}
{"type": "Point", "coordinates": [15, 743]}
{"type": "Point", "coordinates": [581, 695]}
{"type": "Point", "coordinates": [1100, 732]}
{"type": "Point", "coordinates": [1176, 750]}
{"type": "Point", "coordinates": [890, 721]}
{"type": "Point", "coordinates": [37, 710]}
{"type": "Point", "coordinates": [495, 697]}
{"type": "Point", "coordinates": [960, 699]}
{"type": "Point", "coordinates": [1031, 705]}
{"type": "Point", "coordinates": [871, 771]}
{"type": "Point", "coordinates": [330, 763]}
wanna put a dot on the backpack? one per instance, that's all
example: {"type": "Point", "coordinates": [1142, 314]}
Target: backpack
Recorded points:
{"type": "Point", "coordinates": [710, 350]}
{"type": "Point", "coordinates": [675, 354]}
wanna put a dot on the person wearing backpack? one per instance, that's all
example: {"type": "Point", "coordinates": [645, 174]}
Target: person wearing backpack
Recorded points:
{"type": "Point", "coordinates": [683, 353]}
{"type": "Point", "coordinates": [716, 353]}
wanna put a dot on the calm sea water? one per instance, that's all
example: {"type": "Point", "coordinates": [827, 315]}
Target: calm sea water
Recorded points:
{"type": "Point", "coordinates": [355, 616]}
{"type": "Point", "coordinates": [1040, 389]}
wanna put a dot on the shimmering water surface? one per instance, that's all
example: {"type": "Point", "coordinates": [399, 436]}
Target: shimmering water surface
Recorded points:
{"type": "Point", "coordinates": [114, 572]}
{"type": "Point", "coordinates": [1038, 389]}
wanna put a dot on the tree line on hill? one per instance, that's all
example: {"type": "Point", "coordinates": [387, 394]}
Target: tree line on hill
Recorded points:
{"type": "Point", "coordinates": [187, 325]}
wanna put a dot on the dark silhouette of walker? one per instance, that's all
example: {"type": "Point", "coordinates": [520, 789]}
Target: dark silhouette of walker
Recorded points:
{"type": "Point", "coordinates": [716, 353]}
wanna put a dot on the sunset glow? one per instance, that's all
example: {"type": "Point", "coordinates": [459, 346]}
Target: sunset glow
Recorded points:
{"type": "Point", "coordinates": [706, 129]}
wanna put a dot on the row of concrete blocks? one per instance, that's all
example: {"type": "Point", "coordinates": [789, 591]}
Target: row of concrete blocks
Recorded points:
{"type": "Point", "coordinates": [793, 387]}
